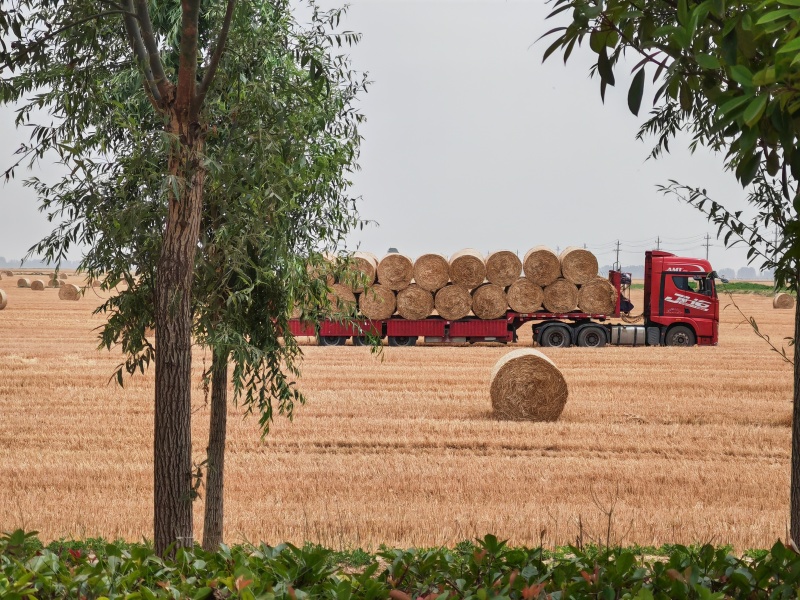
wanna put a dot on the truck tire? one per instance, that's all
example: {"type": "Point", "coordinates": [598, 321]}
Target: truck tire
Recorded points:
{"type": "Point", "coordinates": [680, 335]}
{"type": "Point", "coordinates": [360, 340]}
{"type": "Point", "coordinates": [331, 340]}
{"type": "Point", "coordinates": [556, 336]}
{"type": "Point", "coordinates": [402, 340]}
{"type": "Point", "coordinates": [592, 337]}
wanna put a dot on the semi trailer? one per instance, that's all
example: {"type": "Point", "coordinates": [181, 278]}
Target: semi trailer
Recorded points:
{"type": "Point", "coordinates": [681, 308]}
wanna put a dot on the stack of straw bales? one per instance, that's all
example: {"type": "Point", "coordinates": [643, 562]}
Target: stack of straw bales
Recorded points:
{"type": "Point", "coordinates": [469, 283]}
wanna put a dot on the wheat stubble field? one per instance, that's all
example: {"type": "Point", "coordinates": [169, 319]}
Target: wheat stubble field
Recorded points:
{"type": "Point", "coordinates": [693, 444]}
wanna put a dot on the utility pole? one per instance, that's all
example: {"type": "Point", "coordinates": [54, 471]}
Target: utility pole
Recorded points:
{"type": "Point", "coordinates": [658, 243]}
{"type": "Point", "coordinates": [584, 245]}
{"type": "Point", "coordinates": [616, 263]}
{"type": "Point", "coordinates": [707, 244]}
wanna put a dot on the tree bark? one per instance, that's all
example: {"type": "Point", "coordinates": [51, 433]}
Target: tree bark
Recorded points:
{"type": "Point", "coordinates": [172, 448]}
{"type": "Point", "coordinates": [215, 454]}
{"type": "Point", "coordinates": [794, 504]}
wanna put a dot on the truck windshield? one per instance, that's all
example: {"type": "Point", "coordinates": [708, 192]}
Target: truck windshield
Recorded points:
{"type": "Point", "coordinates": [698, 284]}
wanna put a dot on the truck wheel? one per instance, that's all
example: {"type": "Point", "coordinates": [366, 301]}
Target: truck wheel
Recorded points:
{"type": "Point", "coordinates": [360, 340]}
{"type": "Point", "coordinates": [680, 335]}
{"type": "Point", "coordinates": [402, 340]}
{"type": "Point", "coordinates": [592, 337]}
{"type": "Point", "coordinates": [557, 336]}
{"type": "Point", "coordinates": [331, 340]}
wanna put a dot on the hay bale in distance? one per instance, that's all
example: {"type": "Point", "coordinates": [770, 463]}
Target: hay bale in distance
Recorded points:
{"type": "Point", "coordinates": [9, 273]}
{"type": "Point", "coordinates": [524, 296]}
{"type": "Point", "coordinates": [414, 303]}
{"type": "Point", "coordinates": [23, 282]}
{"type": "Point", "coordinates": [54, 283]}
{"type": "Point", "coordinates": [3, 299]}
{"type": "Point", "coordinates": [453, 302]}
{"type": "Point", "coordinates": [377, 302]}
{"type": "Point", "coordinates": [578, 265]}
{"type": "Point", "coordinates": [783, 301]}
{"type": "Point", "coordinates": [598, 297]}
{"type": "Point", "coordinates": [362, 272]}
{"type": "Point", "coordinates": [489, 301]}
{"type": "Point", "coordinates": [62, 275]}
{"type": "Point", "coordinates": [467, 268]}
{"type": "Point", "coordinates": [503, 268]}
{"type": "Point", "coordinates": [37, 285]}
{"type": "Point", "coordinates": [69, 291]}
{"type": "Point", "coordinates": [541, 266]}
{"type": "Point", "coordinates": [395, 271]}
{"type": "Point", "coordinates": [431, 272]}
{"type": "Point", "coordinates": [527, 386]}
{"type": "Point", "coordinates": [561, 296]}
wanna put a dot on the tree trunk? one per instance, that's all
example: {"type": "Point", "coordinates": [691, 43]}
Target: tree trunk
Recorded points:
{"type": "Point", "coordinates": [172, 473]}
{"type": "Point", "coordinates": [794, 505]}
{"type": "Point", "coordinates": [215, 467]}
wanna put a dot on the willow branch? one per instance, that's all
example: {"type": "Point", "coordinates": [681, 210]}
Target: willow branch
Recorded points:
{"type": "Point", "coordinates": [153, 55]}
{"type": "Point", "coordinates": [135, 37]}
{"type": "Point", "coordinates": [211, 71]}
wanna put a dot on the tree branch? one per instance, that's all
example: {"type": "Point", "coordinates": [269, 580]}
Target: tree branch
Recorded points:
{"type": "Point", "coordinates": [153, 55]}
{"type": "Point", "coordinates": [187, 62]}
{"type": "Point", "coordinates": [135, 37]}
{"type": "Point", "coordinates": [211, 70]}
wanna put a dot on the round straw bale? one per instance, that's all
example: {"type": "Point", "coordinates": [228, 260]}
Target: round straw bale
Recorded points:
{"type": "Point", "coordinates": [598, 297]}
{"type": "Point", "coordinates": [10, 273]}
{"type": "Point", "coordinates": [524, 296]}
{"type": "Point", "coordinates": [62, 275]}
{"type": "Point", "coordinates": [341, 297]}
{"type": "Point", "coordinates": [96, 283]}
{"type": "Point", "coordinates": [69, 291]}
{"type": "Point", "coordinates": [578, 265]}
{"type": "Point", "coordinates": [37, 285]}
{"type": "Point", "coordinates": [24, 282]}
{"type": "Point", "coordinates": [3, 299]}
{"type": "Point", "coordinates": [414, 303]}
{"type": "Point", "coordinates": [783, 301]}
{"type": "Point", "coordinates": [489, 301]}
{"type": "Point", "coordinates": [377, 302]}
{"type": "Point", "coordinates": [467, 268]}
{"type": "Point", "coordinates": [541, 266]}
{"type": "Point", "coordinates": [503, 268]}
{"type": "Point", "coordinates": [453, 302]}
{"type": "Point", "coordinates": [54, 283]}
{"type": "Point", "coordinates": [395, 271]}
{"type": "Point", "coordinates": [362, 271]}
{"type": "Point", "coordinates": [561, 296]}
{"type": "Point", "coordinates": [431, 272]}
{"type": "Point", "coordinates": [527, 386]}
{"type": "Point", "coordinates": [322, 269]}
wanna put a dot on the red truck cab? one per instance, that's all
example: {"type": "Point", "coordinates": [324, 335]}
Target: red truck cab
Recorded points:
{"type": "Point", "coordinates": [681, 299]}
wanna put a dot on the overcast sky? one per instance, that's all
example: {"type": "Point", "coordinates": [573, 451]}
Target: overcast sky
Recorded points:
{"type": "Point", "coordinates": [472, 142]}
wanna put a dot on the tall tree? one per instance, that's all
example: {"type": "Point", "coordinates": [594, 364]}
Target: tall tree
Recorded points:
{"type": "Point", "coordinates": [139, 172]}
{"type": "Point", "coordinates": [726, 73]}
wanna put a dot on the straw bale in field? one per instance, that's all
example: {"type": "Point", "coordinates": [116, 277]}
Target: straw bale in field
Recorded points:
{"type": "Point", "coordinates": [69, 291]}
{"type": "Point", "coordinates": [377, 302]}
{"type": "Point", "coordinates": [395, 271]}
{"type": "Point", "coordinates": [23, 282]}
{"type": "Point", "coordinates": [541, 266]}
{"type": "Point", "coordinates": [561, 296]}
{"type": "Point", "coordinates": [54, 283]}
{"type": "Point", "coordinates": [10, 273]}
{"type": "Point", "coordinates": [597, 297]}
{"type": "Point", "coordinates": [467, 268]}
{"type": "Point", "coordinates": [527, 386]}
{"type": "Point", "coordinates": [503, 268]}
{"type": "Point", "coordinates": [453, 302]}
{"type": "Point", "coordinates": [783, 301]}
{"type": "Point", "coordinates": [361, 272]}
{"type": "Point", "coordinates": [3, 299]}
{"type": "Point", "coordinates": [431, 272]}
{"type": "Point", "coordinates": [37, 285]}
{"type": "Point", "coordinates": [524, 296]}
{"type": "Point", "coordinates": [489, 301]}
{"type": "Point", "coordinates": [578, 265]}
{"type": "Point", "coordinates": [62, 275]}
{"type": "Point", "coordinates": [414, 303]}
{"type": "Point", "coordinates": [341, 298]}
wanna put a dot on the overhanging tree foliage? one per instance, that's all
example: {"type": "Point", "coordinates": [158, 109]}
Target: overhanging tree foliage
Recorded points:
{"type": "Point", "coordinates": [222, 128]}
{"type": "Point", "coordinates": [726, 73]}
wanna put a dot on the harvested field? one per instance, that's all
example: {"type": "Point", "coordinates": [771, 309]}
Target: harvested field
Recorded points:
{"type": "Point", "coordinates": [404, 450]}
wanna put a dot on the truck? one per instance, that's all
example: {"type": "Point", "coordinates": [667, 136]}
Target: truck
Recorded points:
{"type": "Point", "coordinates": [681, 308]}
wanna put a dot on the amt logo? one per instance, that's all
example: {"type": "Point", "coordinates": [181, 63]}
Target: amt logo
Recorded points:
{"type": "Point", "coordinates": [684, 300]}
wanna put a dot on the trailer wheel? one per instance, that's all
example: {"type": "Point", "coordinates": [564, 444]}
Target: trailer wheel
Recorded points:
{"type": "Point", "coordinates": [680, 335]}
{"type": "Point", "coordinates": [592, 337]}
{"type": "Point", "coordinates": [360, 340]}
{"type": "Point", "coordinates": [402, 340]}
{"type": "Point", "coordinates": [557, 336]}
{"type": "Point", "coordinates": [331, 340]}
